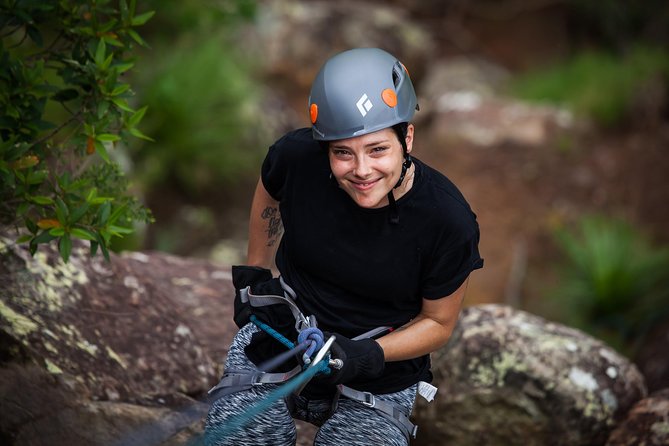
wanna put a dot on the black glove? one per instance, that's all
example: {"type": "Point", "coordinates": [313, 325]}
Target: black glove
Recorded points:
{"type": "Point", "coordinates": [243, 276]}
{"type": "Point", "coordinates": [278, 316]}
{"type": "Point", "coordinates": [261, 282]}
{"type": "Point", "coordinates": [362, 359]}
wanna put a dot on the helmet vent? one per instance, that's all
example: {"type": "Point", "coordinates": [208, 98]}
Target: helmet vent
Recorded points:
{"type": "Point", "coordinates": [397, 75]}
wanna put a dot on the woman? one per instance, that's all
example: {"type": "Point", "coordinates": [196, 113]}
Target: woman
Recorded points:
{"type": "Point", "coordinates": [367, 236]}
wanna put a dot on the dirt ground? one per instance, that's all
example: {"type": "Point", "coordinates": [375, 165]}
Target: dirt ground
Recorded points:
{"type": "Point", "coordinates": [520, 194]}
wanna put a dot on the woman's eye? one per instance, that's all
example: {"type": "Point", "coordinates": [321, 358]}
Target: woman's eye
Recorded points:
{"type": "Point", "coordinates": [340, 152]}
{"type": "Point", "coordinates": [379, 149]}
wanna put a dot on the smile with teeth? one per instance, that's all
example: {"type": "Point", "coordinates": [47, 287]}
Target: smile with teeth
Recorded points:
{"type": "Point", "coordinates": [364, 185]}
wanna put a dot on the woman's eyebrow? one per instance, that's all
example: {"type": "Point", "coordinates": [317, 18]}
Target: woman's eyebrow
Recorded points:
{"type": "Point", "coordinates": [376, 143]}
{"type": "Point", "coordinates": [369, 144]}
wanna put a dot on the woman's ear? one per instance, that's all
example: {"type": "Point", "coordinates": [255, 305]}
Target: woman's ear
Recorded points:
{"type": "Point", "coordinates": [409, 137]}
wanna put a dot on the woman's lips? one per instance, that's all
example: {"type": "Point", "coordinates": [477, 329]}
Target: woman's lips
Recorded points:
{"type": "Point", "coordinates": [364, 185]}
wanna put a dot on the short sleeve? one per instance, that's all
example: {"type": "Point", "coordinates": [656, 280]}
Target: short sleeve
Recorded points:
{"type": "Point", "coordinates": [450, 267]}
{"type": "Point", "coordinates": [283, 159]}
{"type": "Point", "coordinates": [273, 173]}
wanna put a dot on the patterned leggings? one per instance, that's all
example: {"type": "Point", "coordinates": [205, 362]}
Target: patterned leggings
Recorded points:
{"type": "Point", "coordinates": [352, 423]}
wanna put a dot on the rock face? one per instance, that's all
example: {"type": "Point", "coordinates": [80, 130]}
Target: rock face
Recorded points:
{"type": "Point", "coordinates": [104, 353]}
{"type": "Point", "coordinates": [462, 98]}
{"type": "Point", "coordinates": [122, 342]}
{"type": "Point", "coordinates": [296, 37]}
{"type": "Point", "coordinates": [646, 424]}
{"type": "Point", "coordinates": [508, 377]}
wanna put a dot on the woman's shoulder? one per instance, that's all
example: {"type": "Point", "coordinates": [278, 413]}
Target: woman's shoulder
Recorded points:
{"type": "Point", "coordinates": [447, 205]}
{"type": "Point", "coordinates": [298, 141]}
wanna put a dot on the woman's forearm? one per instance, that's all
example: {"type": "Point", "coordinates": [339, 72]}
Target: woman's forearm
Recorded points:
{"type": "Point", "coordinates": [420, 337]}
{"type": "Point", "coordinates": [265, 228]}
{"type": "Point", "coordinates": [428, 331]}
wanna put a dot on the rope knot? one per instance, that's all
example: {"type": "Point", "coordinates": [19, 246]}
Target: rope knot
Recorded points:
{"type": "Point", "coordinates": [315, 338]}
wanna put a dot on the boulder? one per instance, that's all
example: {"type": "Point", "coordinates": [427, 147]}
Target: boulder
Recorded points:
{"type": "Point", "coordinates": [651, 357]}
{"type": "Point", "coordinates": [94, 349]}
{"type": "Point", "coordinates": [646, 424]}
{"type": "Point", "coordinates": [297, 37]}
{"type": "Point", "coordinates": [463, 100]}
{"type": "Point", "coordinates": [508, 377]}
{"type": "Point", "coordinates": [98, 353]}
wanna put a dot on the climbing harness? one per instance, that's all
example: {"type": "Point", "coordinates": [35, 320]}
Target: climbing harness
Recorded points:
{"type": "Point", "coordinates": [316, 359]}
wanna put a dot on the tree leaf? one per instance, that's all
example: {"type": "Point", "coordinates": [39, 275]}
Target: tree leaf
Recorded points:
{"type": "Point", "coordinates": [122, 104]}
{"type": "Point", "coordinates": [136, 37]}
{"type": "Point", "coordinates": [24, 238]}
{"type": "Point", "coordinates": [49, 223]}
{"type": "Point", "coordinates": [94, 247]}
{"type": "Point", "coordinates": [100, 53]}
{"type": "Point", "coordinates": [120, 89]}
{"type": "Point", "coordinates": [142, 18]}
{"type": "Point", "coordinates": [83, 234]}
{"type": "Point", "coordinates": [41, 199]}
{"type": "Point", "coordinates": [57, 232]}
{"type": "Point", "coordinates": [65, 247]}
{"type": "Point", "coordinates": [136, 132]}
{"type": "Point", "coordinates": [118, 230]}
{"type": "Point", "coordinates": [79, 212]}
{"type": "Point", "coordinates": [107, 137]}
{"type": "Point", "coordinates": [62, 212]}
{"type": "Point", "coordinates": [137, 117]}
{"type": "Point", "coordinates": [102, 151]}
{"type": "Point", "coordinates": [103, 213]}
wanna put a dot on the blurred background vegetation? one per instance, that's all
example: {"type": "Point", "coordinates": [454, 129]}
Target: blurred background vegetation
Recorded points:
{"type": "Point", "coordinates": [219, 91]}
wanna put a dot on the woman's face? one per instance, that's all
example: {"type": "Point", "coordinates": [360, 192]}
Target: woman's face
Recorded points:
{"type": "Point", "coordinates": [367, 167]}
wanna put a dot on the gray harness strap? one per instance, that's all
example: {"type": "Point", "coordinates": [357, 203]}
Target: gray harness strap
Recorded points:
{"type": "Point", "coordinates": [255, 300]}
{"type": "Point", "coordinates": [237, 380]}
{"type": "Point", "coordinates": [392, 411]}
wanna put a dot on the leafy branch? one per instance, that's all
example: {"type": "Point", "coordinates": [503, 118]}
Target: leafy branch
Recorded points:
{"type": "Point", "coordinates": [64, 108]}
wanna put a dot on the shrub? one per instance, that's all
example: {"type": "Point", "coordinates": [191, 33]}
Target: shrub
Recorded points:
{"type": "Point", "coordinates": [598, 85]}
{"type": "Point", "coordinates": [613, 283]}
{"type": "Point", "coordinates": [64, 106]}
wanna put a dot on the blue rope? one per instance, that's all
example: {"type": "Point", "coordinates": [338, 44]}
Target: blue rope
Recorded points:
{"type": "Point", "coordinates": [275, 334]}
{"type": "Point", "coordinates": [240, 420]}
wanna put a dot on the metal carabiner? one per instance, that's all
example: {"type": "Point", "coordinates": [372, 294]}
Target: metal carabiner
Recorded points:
{"type": "Point", "coordinates": [320, 355]}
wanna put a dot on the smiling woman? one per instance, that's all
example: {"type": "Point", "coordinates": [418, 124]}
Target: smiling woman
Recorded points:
{"type": "Point", "coordinates": [368, 167]}
{"type": "Point", "coordinates": [373, 240]}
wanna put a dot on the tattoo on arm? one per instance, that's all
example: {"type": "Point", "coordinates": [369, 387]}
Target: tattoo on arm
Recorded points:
{"type": "Point", "coordinates": [274, 226]}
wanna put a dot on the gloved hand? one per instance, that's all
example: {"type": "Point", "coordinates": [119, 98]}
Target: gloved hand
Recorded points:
{"type": "Point", "coordinates": [243, 276]}
{"type": "Point", "coordinates": [362, 359]}
{"type": "Point", "coordinates": [279, 317]}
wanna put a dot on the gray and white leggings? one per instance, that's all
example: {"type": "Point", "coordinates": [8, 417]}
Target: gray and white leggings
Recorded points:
{"type": "Point", "coordinates": [351, 424]}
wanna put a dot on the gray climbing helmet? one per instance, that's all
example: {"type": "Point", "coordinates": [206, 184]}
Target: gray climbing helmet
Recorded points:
{"type": "Point", "coordinates": [360, 91]}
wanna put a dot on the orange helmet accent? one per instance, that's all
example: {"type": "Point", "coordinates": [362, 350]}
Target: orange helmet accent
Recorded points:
{"type": "Point", "coordinates": [405, 69]}
{"type": "Point", "coordinates": [313, 113]}
{"type": "Point", "coordinates": [389, 97]}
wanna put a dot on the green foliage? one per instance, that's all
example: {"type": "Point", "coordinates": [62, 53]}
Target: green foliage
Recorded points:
{"type": "Point", "coordinates": [595, 84]}
{"type": "Point", "coordinates": [64, 106]}
{"type": "Point", "coordinates": [614, 283]}
{"type": "Point", "coordinates": [202, 100]}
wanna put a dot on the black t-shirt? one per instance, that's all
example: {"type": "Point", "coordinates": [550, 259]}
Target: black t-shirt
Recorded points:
{"type": "Point", "coordinates": [354, 269]}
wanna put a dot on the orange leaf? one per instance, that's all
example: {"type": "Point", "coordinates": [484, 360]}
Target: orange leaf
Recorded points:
{"type": "Point", "coordinates": [48, 223]}
{"type": "Point", "coordinates": [25, 162]}
{"type": "Point", "coordinates": [90, 145]}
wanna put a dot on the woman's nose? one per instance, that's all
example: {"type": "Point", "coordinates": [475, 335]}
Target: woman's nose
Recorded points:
{"type": "Point", "coordinates": [362, 168]}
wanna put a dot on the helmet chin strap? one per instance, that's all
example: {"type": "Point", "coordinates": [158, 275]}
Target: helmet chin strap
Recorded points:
{"type": "Point", "coordinates": [394, 216]}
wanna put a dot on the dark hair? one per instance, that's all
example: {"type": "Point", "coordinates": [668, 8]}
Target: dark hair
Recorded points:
{"type": "Point", "coordinates": [401, 131]}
